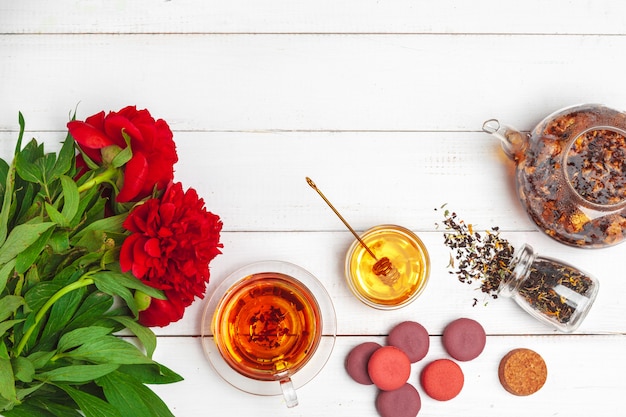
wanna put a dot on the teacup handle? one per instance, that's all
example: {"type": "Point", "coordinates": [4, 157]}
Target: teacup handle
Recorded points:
{"type": "Point", "coordinates": [289, 392]}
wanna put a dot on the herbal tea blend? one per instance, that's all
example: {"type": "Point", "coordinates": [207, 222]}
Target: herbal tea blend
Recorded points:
{"type": "Point", "coordinates": [548, 289]}
{"type": "Point", "coordinates": [482, 258]}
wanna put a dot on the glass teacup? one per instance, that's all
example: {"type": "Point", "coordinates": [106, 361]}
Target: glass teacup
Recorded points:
{"type": "Point", "coordinates": [269, 328]}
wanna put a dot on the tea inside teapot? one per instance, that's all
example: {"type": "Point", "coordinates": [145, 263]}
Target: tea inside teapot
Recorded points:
{"type": "Point", "coordinates": [571, 173]}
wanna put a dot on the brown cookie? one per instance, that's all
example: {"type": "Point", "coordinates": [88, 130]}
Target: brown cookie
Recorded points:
{"type": "Point", "coordinates": [357, 359]}
{"type": "Point", "coordinates": [402, 402]}
{"type": "Point", "coordinates": [412, 338]}
{"type": "Point", "coordinates": [522, 372]}
{"type": "Point", "coordinates": [464, 339]}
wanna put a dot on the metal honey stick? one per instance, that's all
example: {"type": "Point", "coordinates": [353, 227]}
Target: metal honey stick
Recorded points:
{"type": "Point", "coordinates": [383, 268]}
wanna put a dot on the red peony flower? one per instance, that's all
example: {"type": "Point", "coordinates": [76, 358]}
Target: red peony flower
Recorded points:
{"type": "Point", "coordinates": [162, 312]}
{"type": "Point", "coordinates": [173, 240]}
{"type": "Point", "coordinates": [151, 142]}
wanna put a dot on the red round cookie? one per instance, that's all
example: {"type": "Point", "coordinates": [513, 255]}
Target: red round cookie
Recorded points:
{"type": "Point", "coordinates": [389, 368]}
{"type": "Point", "coordinates": [412, 338]}
{"type": "Point", "coordinates": [357, 359]}
{"type": "Point", "coordinates": [464, 339]}
{"type": "Point", "coordinates": [442, 379]}
{"type": "Point", "coordinates": [402, 402]}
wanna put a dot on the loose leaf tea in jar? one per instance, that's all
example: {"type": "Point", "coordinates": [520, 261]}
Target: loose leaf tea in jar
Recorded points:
{"type": "Point", "coordinates": [571, 173]}
{"type": "Point", "coordinates": [550, 290]}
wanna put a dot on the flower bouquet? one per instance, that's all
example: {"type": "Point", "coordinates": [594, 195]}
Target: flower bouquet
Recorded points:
{"type": "Point", "coordinates": [96, 239]}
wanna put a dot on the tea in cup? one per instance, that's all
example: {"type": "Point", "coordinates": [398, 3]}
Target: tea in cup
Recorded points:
{"type": "Point", "coordinates": [268, 322]}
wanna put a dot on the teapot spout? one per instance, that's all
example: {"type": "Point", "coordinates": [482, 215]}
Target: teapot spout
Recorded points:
{"type": "Point", "coordinates": [513, 141]}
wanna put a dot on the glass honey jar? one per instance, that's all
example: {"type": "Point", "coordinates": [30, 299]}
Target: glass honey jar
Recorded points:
{"type": "Point", "coordinates": [407, 254]}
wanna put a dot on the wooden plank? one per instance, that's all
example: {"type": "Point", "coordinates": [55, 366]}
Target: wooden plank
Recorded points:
{"type": "Point", "coordinates": [443, 300]}
{"type": "Point", "coordinates": [256, 181]}
{"type": "Point", "coordinates": [581, 382]}
{"type": "Point", "coordinates": [301, 16]}
{"type": "Point", "coordinates": [309, 82]}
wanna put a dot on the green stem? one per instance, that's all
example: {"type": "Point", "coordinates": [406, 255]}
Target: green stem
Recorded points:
{"type": "Point", "coordinates": [83, 282]}
{"type": "Point", "coordinates": [99, 179]}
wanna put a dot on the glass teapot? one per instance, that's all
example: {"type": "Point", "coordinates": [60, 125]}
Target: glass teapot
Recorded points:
{"type": "Point", "coordinates": [571, 173]}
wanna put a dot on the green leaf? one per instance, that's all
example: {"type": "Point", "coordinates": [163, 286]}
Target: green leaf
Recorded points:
{"type": "Point", "coordinates": [8, 324]}
{"type": "Point", "coordinates": [108, 349]}
{"type": "Point", "coordinates": [6, 201]}
{"type": "Point", "coordinates": [33, 151]}
{"type": "Point", "coordinates": [47, 165]}
{"type": "Point", "coordinates": [129, 281]}
{"type": "Point", "coordinates": [71, 198]}
{"type": "Point", "coordinates": [91, 405]}
{"type": "Point", "coordinates": [124, 155]}
{"type": "Point", "coordinates": [55, 215]}
{"type": "Point", "coordinates": [30, 203]}
{"type": "Point", "coordinates": [27, 257]}
{"type": "Point", "coordinates": [65, 158]}
{"type": "Point", "coordinates": [24, 392]}
{"type": "Point", "coordinates": [144, 334]}
{"type": "Point", "coordinates": [9, 304]}
{"type": "Point", "coordinates": [4, 352]}
{"type": "Point", "coordinates": [131, 397]}
{"type": "Point", "coordinates": [62, 311]}
{"type": "Point", "coordinates": [79, 336]}
{"type": "Point", "coordinates": [7, 380]}
{"type": "Point", "coordinates": [4, 173]}
{"type": "Point", "coordinates": [5, 273]}
{"type": "Point", "coordinates": [87, 201]}
{"type": "Point", "coordinates": [108, 224]}
{"type": "Point", "coordinates": [20, 238]}
{"type": "Point", "coordinates": [77, 373]}
{"type": "Point", "coordinates": [41, 359]}
{"type": "Point", "coordinates": [37, 296]}
{"type": "Point", "coordinates": [151, 374]}
{"type": "Point", "coordinates": [108, 285]}
{"type": "Point", "coordinates": [27, 170]}
{"type": "Point", "coordinates": [22, 122]}
{"type": "Point", "coordinates": [5, 405]}
{"type": "Point", "coordinates": [23, 369]}
{"type": "Point", "coordinates": [92, 240]}
{"type": "Point", "coordinates": [27, 410]}
{"type": "Point", "coordinates": [59, 241]}
{"type": "Point", "coordinates": [93, 308]}
{"type": "Point", "coordinates": [57, 409]}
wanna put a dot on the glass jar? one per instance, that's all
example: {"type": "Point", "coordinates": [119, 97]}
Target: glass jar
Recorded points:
{"type": "Point", "coordinates": [408, 255]}
{"type": "Point", "coordinates": [552, 291]}
{"type": "Point", "coordinates": [571, 173]}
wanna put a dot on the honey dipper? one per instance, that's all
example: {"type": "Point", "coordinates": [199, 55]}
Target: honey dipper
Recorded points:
{"type": "Point", "coordinates": [383, 268]}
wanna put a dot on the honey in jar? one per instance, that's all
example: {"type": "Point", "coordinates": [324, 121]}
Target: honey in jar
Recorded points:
{"type": "Point", "coordinates": [407, 254]}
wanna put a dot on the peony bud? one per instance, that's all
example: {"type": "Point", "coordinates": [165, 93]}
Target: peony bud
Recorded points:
{"type": "Point", "coordinates": [143, 300]}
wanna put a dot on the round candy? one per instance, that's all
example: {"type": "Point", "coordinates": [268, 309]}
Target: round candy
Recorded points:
{"type": "Point", "coordinates": [402, 402]}
{"type": "Point", "coordinates": [389, 368]}
{"type": "Point", "coordinates": [412, 338]}
{"type": "Point", "coordinates": [464, 339]}
{"type": "Point", "coordinates": [442, 379]}
{"type": "Point", "coordinates": [522, 372]}
{"type": "Point", "coordinates": [357, 359]}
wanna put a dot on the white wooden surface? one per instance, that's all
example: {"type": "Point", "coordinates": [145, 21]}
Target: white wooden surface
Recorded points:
{"type": "Point", "coordinates": [381, 103]}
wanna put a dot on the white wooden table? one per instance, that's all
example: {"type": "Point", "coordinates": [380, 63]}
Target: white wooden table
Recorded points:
{"type": "Point", "coordinates": [381, 103]}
